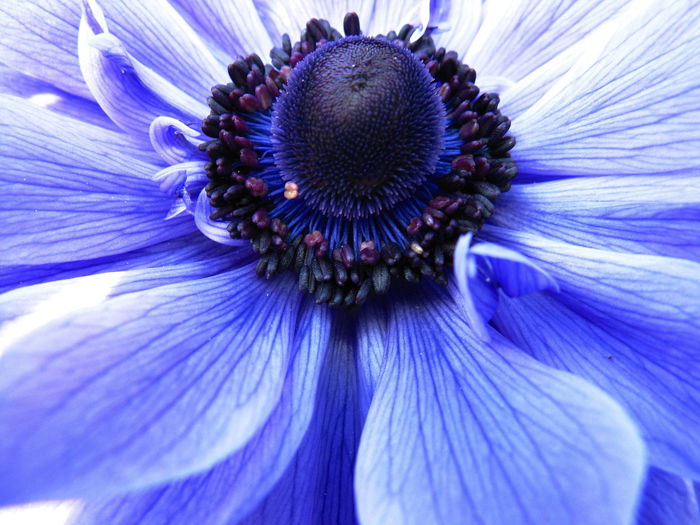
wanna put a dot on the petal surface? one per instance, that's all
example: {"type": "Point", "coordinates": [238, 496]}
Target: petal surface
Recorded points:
{"type": "Point", "coordinates": [629, 104]}
{"type": "Point", "coordinates": [145, 387]}
{"type": "Point", "coordinates": [236, 485]}
{"type": "Point", "coordinates": [636, 295]}
{"type": "Point", "coordinates": [61, 206]}
{"type": "Point", "coordinates": [636, 214]}
{"type": "Point", "coordinates": [39, 39]}
{"type": "Point", "coordinates": [668, 500]}
{"type": "Point", "coordinates": [516, 37]}
{"type": "Point", "coordinates": [462, 432]}
{"type": "Point", "coordinates": [317, 489]}
{"type": "Point", "coordinates": [657, 384]}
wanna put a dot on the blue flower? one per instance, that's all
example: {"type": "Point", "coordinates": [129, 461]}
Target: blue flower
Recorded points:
{"type": "Point", "coordinates": [147, 371]}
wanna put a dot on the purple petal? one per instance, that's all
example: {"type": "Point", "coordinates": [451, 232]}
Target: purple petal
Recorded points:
{"type": "Point", "coordinates": [456, 23]}
{"type": "Point", "coordinates": [158, 37]}
{"type": "Point", "coordinates": [174, 141]}
{"type": "Point", "coordinates": [48, 96]}
{"type": "Point", "coordinates": [235, 29]}
{"type": "Point", "coordinates": [658, 385]}
{"type": "Point", "coordinates": [465, 432]}
{"type": "Point", "coordinates": [318, 485]}
{"type": "Point", "coordinates": [647, 214]}
{"type": "Point", "coordinates": [143, 388]}
{"type": "Point", "coordinates": [632, 294]}
{"type": "Point", "coordinates": [534, 31]}
{"type": "Point", "coordinates": [84, 194]}
{"type": "Point", "coordinates": [629, 105]}
{"type": "Point", "coordinates": [190, 248]}
{"type": "Point", "coordinates": [668, 500]}
{"type": "Point", "coordinates": [39, 38]}
{"type": "Point", "coordinates": [130, 93]}
{"type": "Point", "coordinates": [216, 230]}
{"type": "Point", "coordinates": [236, 485]}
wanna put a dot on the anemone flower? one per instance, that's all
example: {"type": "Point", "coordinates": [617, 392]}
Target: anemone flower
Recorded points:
{"type": "Point", "coordinates": [332, 288]}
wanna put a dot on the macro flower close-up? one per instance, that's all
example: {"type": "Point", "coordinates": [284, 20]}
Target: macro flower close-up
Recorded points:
{"type": "Point", "coordinates": [323, 262]}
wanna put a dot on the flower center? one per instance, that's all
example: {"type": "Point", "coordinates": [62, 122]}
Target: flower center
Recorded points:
{"type": "Point", "coordinates": [358, 128]}
{"type": "Point", "coordinates": [355, 161]}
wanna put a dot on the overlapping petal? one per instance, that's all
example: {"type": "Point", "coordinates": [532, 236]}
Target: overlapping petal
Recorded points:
{"type": "Point", "coordinates": [635, 214]}
{"type": "Point", "coordinates": [143, 388]}
{"type": "Point", "coordinates": [236, 485]}
{"type": "Point", "coordinates": [629, 293]}
{"type": "Point", "coordinates": [317, 488]}
{"type": "Point", "coordinates": [668, 500]}
{"type": "Point", "coordinates": [61, 206]}
{"type": "Point", "coordinates": [460, 431]}
{"type": "Point", "coordinates": [627, 106]}
{"type": "Point", "coordinates": [658, 384]}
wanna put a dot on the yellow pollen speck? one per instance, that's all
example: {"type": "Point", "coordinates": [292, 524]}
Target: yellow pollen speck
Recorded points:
{"type": "Point", "coordinates": [291, 190]}
{"type": "Point", "coordinates": [417, 248]}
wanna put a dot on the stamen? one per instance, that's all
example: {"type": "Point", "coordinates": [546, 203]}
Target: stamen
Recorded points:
{"type": "Point", "coordinates": [354, 161]}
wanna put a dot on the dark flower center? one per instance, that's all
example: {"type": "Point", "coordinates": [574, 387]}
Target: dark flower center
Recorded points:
{"type": "Point", "coordinates": [355, 161]}
{"type": "Point", "coordinates": [359, 127]}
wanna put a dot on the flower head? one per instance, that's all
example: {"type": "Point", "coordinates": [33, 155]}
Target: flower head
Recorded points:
{"type": "Point", "coordinates": [470, 345]}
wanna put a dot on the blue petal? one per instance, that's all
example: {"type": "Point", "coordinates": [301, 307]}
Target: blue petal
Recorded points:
{"type": "Point", "coordinates": [455, 23]}
{"type": "Point", "coordinates": [637, 214]}
{"type": "Point", "coordinates": [317, 488]}
{"type": "Point", "coordinates": [516, 274]}
{"type": "Point", "coordinates": [632, 294]}
{"type": "Point", "coordinates": [174, 141]}
{"type": "Point", "coordinates": [515, 37]}
{"type": "Point", "coordinates": [479, 298]}
{"type": "Point", "coordinates": [387, 15]}
{"type": "Point", "coordinates": [85, 194]}
{"type": "Point", "coordinates": [482, 269]}
{"type": "Point", "coordinates": [46, 95]}
{"type": "Point", "coordinates": [144, 388]}
{"type": "Point", "coordinates": [236, 485]}
{"type": "Point", "coordinates": [668, 500]}
{"type": "Point", "coordinates": [236, 29]}
{"type": "Point", "coordinates": [187, 249]}
{"type": "Point", "coordinates": [658, 385]}
{"type": "Point", "coordinates": [158, 37]}
{"type": "Point", "coordinates": [464, 432]}
{"type": "Point", "coordinates": [216, 230]}
{"type": "Point", "coordinates": [38, 39]}
{"type": "Point", "coordinates": [629, 105]}
{"type": "Point", "coordinates": [130, 93]}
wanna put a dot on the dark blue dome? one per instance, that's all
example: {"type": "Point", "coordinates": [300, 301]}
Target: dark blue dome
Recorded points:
{"type": "Point", "coordinates": [359, 127]}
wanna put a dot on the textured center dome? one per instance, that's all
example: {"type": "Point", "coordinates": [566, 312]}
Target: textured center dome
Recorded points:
{"type": "Point", "coordinates": [358, 128]}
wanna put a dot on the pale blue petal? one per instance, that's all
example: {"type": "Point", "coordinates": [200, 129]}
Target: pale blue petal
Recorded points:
{"type": "Point", "coordinates": [658, 384]}
{"type": "Point", "coordinates": [668, 500]}
{"type": "Point", "coordinates": [456, 23]}
{"type": "Point", "coordinates": [46, 95]}
{"type": "Point", "coordinates": [130, 93]}
{"type": "Point", "coordinates": [174, 141]}
{"type": "Point", "coordinates": [515, 36]}
{"type": "Point", "coordinates": [636, 214]}
{"type": "Point", "coordinates": [464, 432]}
{"type": "Point", "coordinates": [236, 485]}
{"type": "Point", "coordinates": [39, 39]}
{"type": "Point", "coordinates": [235, 28]}
{"type": "Point", "coordinates": [143, 388]}
{"type": "Point", "coordinates": [190, 248]}
{"type": "Point", "coordinates": [391, 15]}
{"type": "Point", "coordinates": [513, 272]}
{"type": "Point", "coordinates": [475, 292]}
{"type": "Point", "coordinates": [629, 105]}
{"type": "Point", "coordinates": [317, 488]}
{"type": "Point", "coordinates": [216, 230]}
{"type": "Point", "coordinates": [158, 37]}
{"type": "Point", "coordinates": [637, 295]}
{"type": "Point", "coordinates": [85, 194]}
